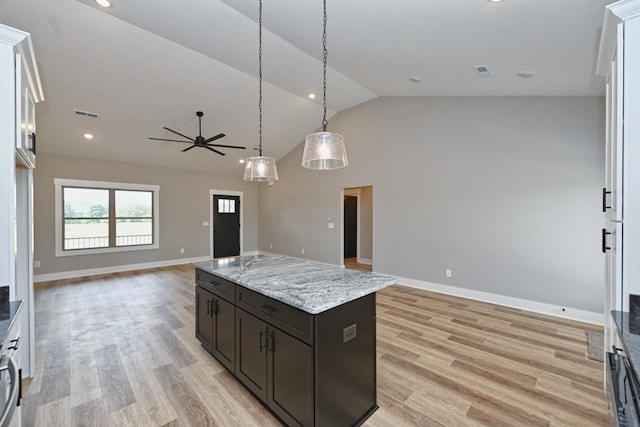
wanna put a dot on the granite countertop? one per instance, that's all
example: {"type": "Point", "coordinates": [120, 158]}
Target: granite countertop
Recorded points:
{"type": "Point", "coordinates": [311, 286]}
{"type": "Point", "coordinates": [8, 313]}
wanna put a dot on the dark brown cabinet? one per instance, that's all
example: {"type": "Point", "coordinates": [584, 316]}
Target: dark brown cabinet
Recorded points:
{"type": "Point", "coordinates": [215, 319]}
{"type": "Point", "coordinates": [276, 367]}
{"type": "Point", "coordinates": [308, 369]}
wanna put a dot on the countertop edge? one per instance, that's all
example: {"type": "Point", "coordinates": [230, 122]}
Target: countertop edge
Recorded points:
{"type": "Point", "coordinates": [384, 281]}
{"type": "Point", "coordinates": [14, 310]}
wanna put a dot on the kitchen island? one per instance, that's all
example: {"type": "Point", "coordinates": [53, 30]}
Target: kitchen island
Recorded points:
{"type": "Point", "coordinates": [299, 334]}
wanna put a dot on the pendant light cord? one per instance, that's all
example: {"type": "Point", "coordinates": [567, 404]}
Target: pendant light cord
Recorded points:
{"type": "Point", "coordinates": [324, 67]}
{"type": "Point", "coordinates": [260, 79]}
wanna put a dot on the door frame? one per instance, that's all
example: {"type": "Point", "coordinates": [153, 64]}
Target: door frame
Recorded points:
{"type": "Point", "coordinates": [355, 192]}
{"type": "Point", "coordinates": [211, 224]}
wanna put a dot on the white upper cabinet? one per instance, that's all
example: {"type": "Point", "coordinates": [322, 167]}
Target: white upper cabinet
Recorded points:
{"type": "Point", "coordinates": [20, 73]}
{"type": "Point", "coordinates": [619, 63]}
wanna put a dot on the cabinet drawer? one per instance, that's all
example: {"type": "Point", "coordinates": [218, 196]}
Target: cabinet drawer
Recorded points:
{"type": "Point", "coordinates": [217, 285]}
{"type": "Point", "coordinates": [289, 319]}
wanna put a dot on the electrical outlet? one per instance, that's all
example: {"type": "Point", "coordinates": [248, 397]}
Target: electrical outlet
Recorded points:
{"type": "Point", "coordinates": [448, 272]}
{"type": "Point", "coordinates": [205, 223]}
{"type": "Point", "coordinates": [270, 246]}
{"type": "Point", "coordinates": [36, 264]}
{"type": "Point", "coordinates": [181, 250]}
{"type": "Point", "coordinates": [302, 250]}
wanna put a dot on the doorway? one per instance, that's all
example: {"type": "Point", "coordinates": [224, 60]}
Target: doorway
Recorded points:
{"type": "Point", "coordinates": [358, 228]}
{"type": "Point", "coordinates": [350, 227]}
{"type": "Point", "coordinates": [226, 223]}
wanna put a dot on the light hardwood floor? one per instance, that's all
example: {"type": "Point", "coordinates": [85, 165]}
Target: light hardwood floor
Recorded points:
{"type": "Point", "coordinates": [119, 350]}
{"type": "Point", "coordinates": [353, 264]}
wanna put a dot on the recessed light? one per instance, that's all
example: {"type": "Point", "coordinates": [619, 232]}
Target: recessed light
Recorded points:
{"type": "Point", "coordinates": [415, 79]}
{"type": "Point", "coordinates": [88, 136]}
{"type": "Point", "coordinates": [496, 1]}
{"type": "Point", "coordinates": [311, 95]}
{"type": "Point", "coordinates": [526, 74]}
{"type": "Point", "coordinates": [104, 3]}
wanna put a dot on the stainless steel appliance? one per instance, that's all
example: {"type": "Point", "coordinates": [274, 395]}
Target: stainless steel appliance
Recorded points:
{"type": "Point", "coordinates": [623, 390]}
{"type": "Point", "coordinates": [10, 390]}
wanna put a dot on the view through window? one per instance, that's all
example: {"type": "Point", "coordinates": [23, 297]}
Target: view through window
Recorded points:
{"type": "Point", "coordinates": [101, 216]}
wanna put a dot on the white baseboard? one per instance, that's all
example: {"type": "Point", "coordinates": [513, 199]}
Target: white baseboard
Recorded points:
{"type": "Point", "coordinates": [115, 269]}
{"type": "Point", "coordinates": [365, 261]}
{"type": "Point", "coordinates": [522, 304]}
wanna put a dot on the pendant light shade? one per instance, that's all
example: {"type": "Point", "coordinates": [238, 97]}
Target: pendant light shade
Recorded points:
{"type": "Point", "coordinates": [324, 150]}
{"type": "Point", "coordinates": [260, 168]}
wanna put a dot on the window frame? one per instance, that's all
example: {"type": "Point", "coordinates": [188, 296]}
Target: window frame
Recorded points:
{"type": "Point", "coordinates": [60, 183]}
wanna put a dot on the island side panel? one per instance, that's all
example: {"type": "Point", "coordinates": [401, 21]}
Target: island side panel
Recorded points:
{"type": "Point", "coordinates": [346, 363]}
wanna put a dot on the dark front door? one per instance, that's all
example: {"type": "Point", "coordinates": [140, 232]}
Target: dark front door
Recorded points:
{"type": "Point", "coordinates": [350, 226]}
{"type": "Point", "coordinates": [226, 226]}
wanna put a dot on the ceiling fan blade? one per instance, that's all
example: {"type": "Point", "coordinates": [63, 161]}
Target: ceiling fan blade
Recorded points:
{"type": "Point", "coordinates": [189, 148]}
{"type": "Point", "coordinates": [213, 138]}
{"type": "Point", "coordinates": [227, 146]}
{"type": "Point", "coordinates": [214, 150]}
{"type": "Point", "coordinates": [172, 140]}
{"type": "Point", "coordinates": [178, 133]}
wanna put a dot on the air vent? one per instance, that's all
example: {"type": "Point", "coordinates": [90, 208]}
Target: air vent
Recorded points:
{"type": "Point", "coordinates": [86, 114]}
{"type": "Point", "coordinates": [483, 71]}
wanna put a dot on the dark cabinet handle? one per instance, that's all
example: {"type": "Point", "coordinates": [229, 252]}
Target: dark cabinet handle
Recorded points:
{"type": "Point", "coordinates": [209, 307]}
{"type": "Point", "coordinates": [604, 200]}
{"type": "Point", "coordinates": [212, 284]}
{"type": "Point", "coordinates": [33, 143]}
{"type": "Point", "coordinates": [270, 340]}
{"type": "Point", "coordinates": [268, 310]}
{"type": "Point", "coordinates": [605, 233]}
{"type": "Point", "coordinates": [20, 387]}
{"type": "Point", "coordinates": [16, 344]}
{"type": "Point", "coordinates": [263, 340]}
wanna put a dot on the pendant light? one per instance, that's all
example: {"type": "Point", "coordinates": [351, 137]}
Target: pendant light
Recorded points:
{"type": "Point", "coordinates": [324, 150]}
{"type": "Point", "coordinates": [260, 168]}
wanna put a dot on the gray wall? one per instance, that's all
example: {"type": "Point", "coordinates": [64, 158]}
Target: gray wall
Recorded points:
{"type": "Point", "coordinates": [184, 205]}
{"type": "Point", "coordinates": [366, 223]}
{"type": "Point", "coordinates": [505, 191]}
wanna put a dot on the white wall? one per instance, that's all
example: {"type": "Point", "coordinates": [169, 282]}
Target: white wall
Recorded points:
{"type": "Point", "coordinates": [505, 191]}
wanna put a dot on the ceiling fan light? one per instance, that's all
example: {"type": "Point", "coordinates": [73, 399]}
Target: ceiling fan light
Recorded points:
{"type": "Point", "coordinates": [261, 169]}
{"type": "Point", "coordinates": [324, 151]}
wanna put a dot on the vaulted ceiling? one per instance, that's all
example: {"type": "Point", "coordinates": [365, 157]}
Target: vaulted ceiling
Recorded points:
{"type": "Point", "coordinates": [141, 65]}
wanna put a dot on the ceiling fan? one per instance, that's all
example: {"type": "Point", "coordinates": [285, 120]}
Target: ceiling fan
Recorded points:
{"type": "Point", "coordinates": [199, 140]}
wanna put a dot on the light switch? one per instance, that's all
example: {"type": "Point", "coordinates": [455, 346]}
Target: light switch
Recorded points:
{"type": "Point", "coordinates": [205, 223]}
{"type": "Point", "coordinates": [330, 225]}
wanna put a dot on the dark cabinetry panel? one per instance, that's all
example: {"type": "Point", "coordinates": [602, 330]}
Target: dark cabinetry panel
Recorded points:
{"type": "Point", "coordinates": [204, 323]}
{"type": "Point", "coordinates": [215, 321]}
{"type": "Point", "coordinates": [289, 319]}
{"type": "Point", "coordinates": [290, 379]}
{"type": "Point", "coordinates": [309, 370]}
{"type": "Point", "coordinates": [251, 348]}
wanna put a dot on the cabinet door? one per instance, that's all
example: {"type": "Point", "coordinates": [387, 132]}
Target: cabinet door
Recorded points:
{"type": "Point", "coordinates": [251, 341]}
{"type": "Point", "coordinates": [613, 192]}
{"type": "Point", "coordinates": [224, 330]}
{"type": "Point", "coordinates": [290, 378]}
{"type": "Point", "coordinates": [616, 298]}
{"type": "Point", "coordinates": [204, 320]}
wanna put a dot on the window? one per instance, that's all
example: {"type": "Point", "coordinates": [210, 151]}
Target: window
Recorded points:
{"type": "Point", "coordinates": [94, 217]}
{"type": "Point", "coordinates": [226, 206]}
